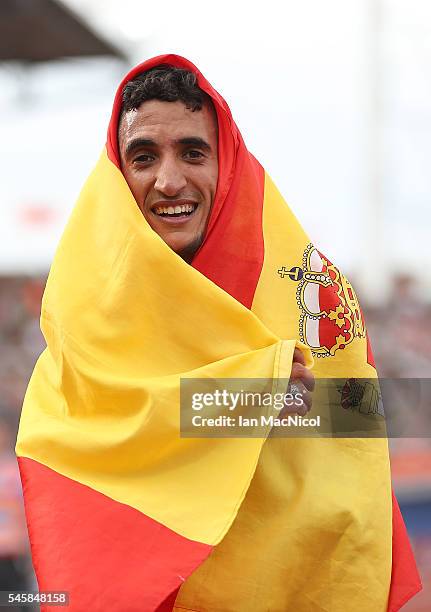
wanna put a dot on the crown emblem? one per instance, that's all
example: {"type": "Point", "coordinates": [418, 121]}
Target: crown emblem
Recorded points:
{"type": "Point", "coordinates": [330, 315]}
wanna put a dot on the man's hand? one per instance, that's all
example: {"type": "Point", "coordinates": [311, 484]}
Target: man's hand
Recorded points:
{"type": "Point", "coordinates": [302, 382]}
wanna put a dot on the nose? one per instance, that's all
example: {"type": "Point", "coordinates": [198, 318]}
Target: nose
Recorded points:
{"type": "Point", "coordinates": [170, 179]}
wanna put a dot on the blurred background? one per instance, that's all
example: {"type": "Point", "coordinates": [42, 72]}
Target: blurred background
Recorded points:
{"type": "Point", "coordinates": [334, 99]}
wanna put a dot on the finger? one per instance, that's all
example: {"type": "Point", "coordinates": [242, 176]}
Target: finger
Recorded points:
{"type": "Point", "coordinates": [302, 411]}
{"type": "Point", "coordinates": [300, 372]}
{"type": "Point", "coordinates": [307, 398]}
{"type": "Point", "coordinates": [303, 398]}
{"type": "Point", "coordinates": [307, 401]}
{"type": "Point", "coordinates": [298, 356]}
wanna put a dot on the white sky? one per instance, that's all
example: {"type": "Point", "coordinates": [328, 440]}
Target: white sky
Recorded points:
{"type": "Point", "coordinates": [300, 81]}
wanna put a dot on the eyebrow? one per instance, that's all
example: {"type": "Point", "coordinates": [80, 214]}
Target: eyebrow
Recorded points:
{"type": "Point", "coordinates": [195, 141]}
{"type": "Point", "coordinates": [138, 143]}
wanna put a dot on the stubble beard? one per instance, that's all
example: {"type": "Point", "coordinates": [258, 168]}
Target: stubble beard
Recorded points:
{"type": "Point", "coordinates": [189, 251]}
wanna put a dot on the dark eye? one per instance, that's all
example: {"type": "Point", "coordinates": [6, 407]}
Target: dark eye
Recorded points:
{"type": "Point", "coordinates": [193, 154]}
{"type": "Point", "coordinates": [144, 158]}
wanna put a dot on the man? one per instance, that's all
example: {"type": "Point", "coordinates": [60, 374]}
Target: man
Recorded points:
{"type": "Point", "coordinates": [182, 262]}
{"type": "Point", "coordinates": [169, 158]}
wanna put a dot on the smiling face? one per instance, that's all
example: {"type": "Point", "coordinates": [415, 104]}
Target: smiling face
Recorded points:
{"type": "Point", "coordinates": [169, 159]}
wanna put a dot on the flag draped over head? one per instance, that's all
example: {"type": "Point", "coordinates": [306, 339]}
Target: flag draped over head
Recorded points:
{"type": "Point", "coordinates": [122, 511]}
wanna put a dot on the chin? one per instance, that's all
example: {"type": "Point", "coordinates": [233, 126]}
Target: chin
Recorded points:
{"type": "Point", "coordinates": [176, 245]}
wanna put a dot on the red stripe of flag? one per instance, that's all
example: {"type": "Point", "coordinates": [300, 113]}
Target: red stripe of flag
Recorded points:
{"type": "Point", "coordinates": [405, 581]}
{"type": "Point", "coordinates": [106, 555]}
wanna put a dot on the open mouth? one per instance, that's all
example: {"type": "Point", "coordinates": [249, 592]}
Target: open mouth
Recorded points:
{"type": "Point", "coordinates": [174, 212]}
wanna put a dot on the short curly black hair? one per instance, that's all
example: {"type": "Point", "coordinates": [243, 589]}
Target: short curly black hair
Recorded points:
{"type": "Point", "coordinates": [163, 82]}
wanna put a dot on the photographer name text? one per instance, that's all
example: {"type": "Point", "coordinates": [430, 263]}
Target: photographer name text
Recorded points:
{"type": "Point", "coordinates": [294, 420]}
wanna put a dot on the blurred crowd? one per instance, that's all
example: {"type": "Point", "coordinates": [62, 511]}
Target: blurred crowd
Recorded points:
{"type": "Point", "coordinates": [400, 331]}
{"type": "Point", "coordinates": [21, 343]}
{"type": "Point", "coordinates": [401, 338]}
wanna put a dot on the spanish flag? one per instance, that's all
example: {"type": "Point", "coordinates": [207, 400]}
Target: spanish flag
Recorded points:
{"type": "Point", "coordinates": [126, 515]}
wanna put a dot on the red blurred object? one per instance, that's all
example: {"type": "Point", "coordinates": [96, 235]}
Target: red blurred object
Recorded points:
{"type": "Point", "coordinates": [37, 214]}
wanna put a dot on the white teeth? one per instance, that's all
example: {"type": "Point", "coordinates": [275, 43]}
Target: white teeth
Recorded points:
{"type": "Point", "coordinates": [171, 210]}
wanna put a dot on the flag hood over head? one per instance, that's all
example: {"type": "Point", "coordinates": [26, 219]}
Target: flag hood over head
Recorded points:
{"type": "Point", "coordinates": [235, 223]}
